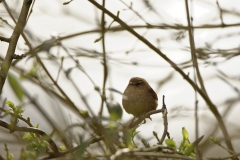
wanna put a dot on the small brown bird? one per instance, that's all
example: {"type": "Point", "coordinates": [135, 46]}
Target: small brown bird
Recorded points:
{"type": "Point", "coordinates": [139, 98]}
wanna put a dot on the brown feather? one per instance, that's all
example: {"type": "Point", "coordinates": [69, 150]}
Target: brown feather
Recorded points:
{"type": "Point", "coordinates": [139, 98]}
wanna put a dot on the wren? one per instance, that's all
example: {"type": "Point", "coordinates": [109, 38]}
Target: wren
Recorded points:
{"type": "Point", "coordinates": [139, 98]}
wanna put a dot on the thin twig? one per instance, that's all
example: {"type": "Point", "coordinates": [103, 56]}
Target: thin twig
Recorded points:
{"type": "Point", "coordinates": [72, 150]}
{"type": "Point", "coordinates": [21, 118]}
{"type": "Point", "coordinates": [165, 121]}
{"type": "Point", "coordinates": [4, 39]}
{"type": "Point", "coordinates": [131, 8]}
{"type": "Point", "coordinates": [140, 119]}
{"type": "Point", "coordinates": [32, 130]}
{"type": "Point", "coordinates": [161, 155]}
{"type": "Point", "coordinates": [9, 11]}
{"type": "Point", "coordinates": [129, 151]}
{"type": "Point", "coordinates": [225, 158]}
{"type": "Point", "coordinates": [75, 86]}
{"type": "Point", "coordinates": [2, 108]}
{"type": "Point", "coordinates": [60, 68]}
{"type": "Point", "coordinates": [195, 69]}
{"type": "Point", "coordinates": [31, 9]}
{"type": "Point", "coordinates": [161, 26]}
{"type": "Point", "coordinates": [192, 46]}
{"type": "Point", "coordinates": [105, 69]}
{"type": "Point", "coordinates": [220, 12]}
{"type": "Point", "coordinates": [206, 143]}
{"type": "Point", "coordinates": [212, 107]}
{"type": "Point", "coordinates": [80, 67]}
{"type": "Point", "coordinates": [71, 104]}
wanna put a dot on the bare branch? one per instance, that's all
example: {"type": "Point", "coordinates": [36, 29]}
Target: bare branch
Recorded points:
{"type": "Point", "coordinates": [4, 39]}
{"type": "Point", "coordinates": [13, 43]}
{"type": "Point", "coordinates": [140, 119]}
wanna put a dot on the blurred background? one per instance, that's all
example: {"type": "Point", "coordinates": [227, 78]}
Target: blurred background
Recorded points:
{"type": "Point", "coordinates": [77, 66]}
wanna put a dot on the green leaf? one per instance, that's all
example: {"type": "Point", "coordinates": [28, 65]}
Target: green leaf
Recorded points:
{"type": "Point", "coordinates": [10, 104]}
{"type": "Point", "coordinates": [31, 147]}
{"type": "Point", "coordinates": [145, 143]}
{"type": "Point", "coordinates": [16, 87]}
{"type": "Point", "coordinates": [84, 113]}
{"type": "Point", "coordinates": [184, 144]}
{"type": "Point", "coordinates": [18, 111]}
{"type": "Point", "coordinates": [36, 126]}
{"type": "Point", "coordinates": [184, 133]}
{"type": "Point", "coordinates": [192, 146]}
{"type": "Point", "coordinates": [62, 148]}
{"type": "Point", "coordinates": [214, 140]}
{"type": "Point", "coordinates": [24, 155]}
{"type": "Point", "coordinates": [44, 144]}
{"type": "Point", "coordinates": [30, 140]}
{"type": "Point", "coordinates": [170, 143]}
{"type": "Point", "coordinates": [135, 133]}
{"type": "Point", "coordinates": [127, 137]}
{"type": "Point", "coordinates": [37, 152]}
{"type": "Point", "coordinates": [10, 156]}
{"type": "Point", "coordinates": [27, 136]}
{"type": "Point", "coordinates": [155, 133]}
{"type": "Point", "coordinates": [115, 110]}
{"type": "Point", "coordinates": [81, 150]}
{"type": "Point", "coordinates": [42, 149]}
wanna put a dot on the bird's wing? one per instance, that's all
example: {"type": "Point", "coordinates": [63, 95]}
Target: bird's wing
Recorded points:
{"type": "Point", "coordinates": [153, 93]}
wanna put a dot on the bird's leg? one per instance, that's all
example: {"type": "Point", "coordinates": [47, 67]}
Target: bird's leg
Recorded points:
{"type": "Point", "coordinates": [150, 118]}
{"type": "Point", "coordinates": [144, 121]}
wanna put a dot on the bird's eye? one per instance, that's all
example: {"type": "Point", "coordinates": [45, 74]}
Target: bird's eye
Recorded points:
{"type": "Point", "coordinates": [138, 83]}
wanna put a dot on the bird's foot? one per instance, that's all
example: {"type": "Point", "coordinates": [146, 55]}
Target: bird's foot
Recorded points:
{"type": "Point", "coordinates": [144, 121]}
{"type": "Point", "coordinates": [149, 117]}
